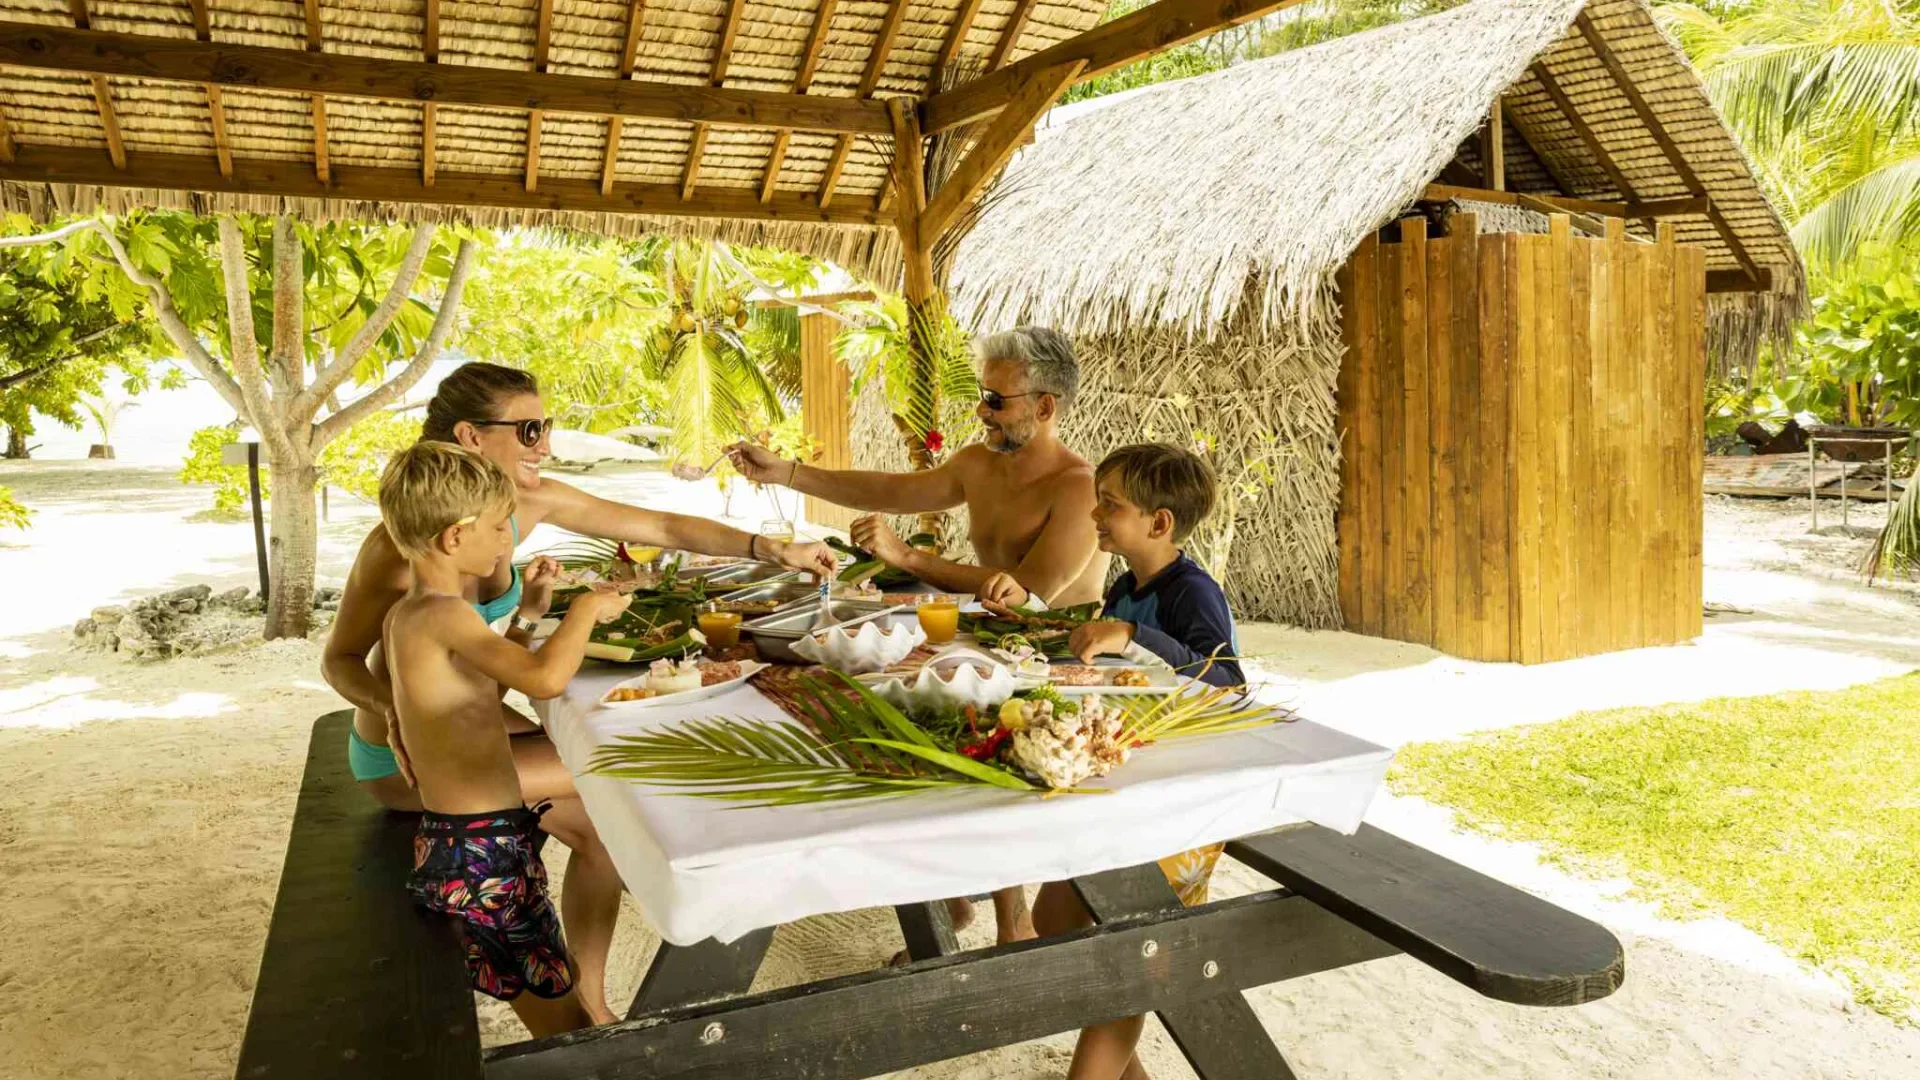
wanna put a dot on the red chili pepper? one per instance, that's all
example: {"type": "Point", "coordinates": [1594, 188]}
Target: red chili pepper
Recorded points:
{"type": "Point", "coordinates": [988, 747]}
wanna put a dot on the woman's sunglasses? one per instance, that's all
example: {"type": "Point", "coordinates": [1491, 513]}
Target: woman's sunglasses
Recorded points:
{"type": "Point", "coordinates": [995, 400]}
{"type": "Point", "coordinates": [530, 431]}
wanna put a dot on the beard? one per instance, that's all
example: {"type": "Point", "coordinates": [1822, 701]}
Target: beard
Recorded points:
{"type": "Point", "coordinates": [1008, 438]}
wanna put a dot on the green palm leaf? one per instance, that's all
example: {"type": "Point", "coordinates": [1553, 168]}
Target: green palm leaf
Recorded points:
{"type": "Point", "coordinates": [1881, 206]}
{"type": "Point", "coordinates": [1897, 549]}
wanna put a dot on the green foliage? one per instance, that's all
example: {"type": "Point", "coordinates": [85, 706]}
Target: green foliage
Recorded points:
{"type": "Point", "coordinates": [940, 396]}
{"type": "Point", "coordinates": [65, 333]}
{"type": "Point", "coordinates": [1865, 330]}
{"type": "Point", "coordinates": [655, 331]}
{"type": "Point", "coordinates": [1790, 814]}
{"type": "Point", "coordinates": [1826, 95]}
{"type": "Point", "coordinates": [1897, 549]}
{"type": "Point", "coordinates": [229, 482]}
{"type": "Point", "coordinates": [354, 461]}
{"type": "Point", "coordinates": [12, 514]}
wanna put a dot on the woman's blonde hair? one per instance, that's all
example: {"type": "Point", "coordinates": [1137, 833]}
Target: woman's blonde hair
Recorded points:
{"type": "Point", "coordinates": [432, 485]}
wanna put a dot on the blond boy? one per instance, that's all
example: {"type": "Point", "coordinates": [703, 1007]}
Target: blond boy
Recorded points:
{"type": "Point", "coordinates": [477, 855]}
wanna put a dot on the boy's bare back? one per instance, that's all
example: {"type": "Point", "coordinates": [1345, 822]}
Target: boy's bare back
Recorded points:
{"type": "Point", "coordinates": [449, 711]}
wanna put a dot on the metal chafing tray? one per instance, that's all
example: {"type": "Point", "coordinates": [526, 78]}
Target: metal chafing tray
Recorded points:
{"type": "Point", "coordinates": [783, 592]}
{"type": "Point", "coordinates": [774, 635]}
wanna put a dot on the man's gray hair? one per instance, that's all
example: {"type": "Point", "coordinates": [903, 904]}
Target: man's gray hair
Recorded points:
{"type": "Point", "coordinates": [1046, 354]}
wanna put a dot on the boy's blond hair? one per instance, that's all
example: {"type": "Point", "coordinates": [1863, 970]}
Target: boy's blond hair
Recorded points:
{"type": "Point", "coordinates": [1161, 476]}
{"type": "Point", "coordinates": [432, 485]}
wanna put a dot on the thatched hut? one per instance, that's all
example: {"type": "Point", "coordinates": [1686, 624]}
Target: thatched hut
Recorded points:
{"type": "Point", "coordinates": [1219, 244]}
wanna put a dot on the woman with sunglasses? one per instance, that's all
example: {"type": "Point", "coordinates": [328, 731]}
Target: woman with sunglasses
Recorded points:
{"type": "Point", "coordinates": [496, 412]}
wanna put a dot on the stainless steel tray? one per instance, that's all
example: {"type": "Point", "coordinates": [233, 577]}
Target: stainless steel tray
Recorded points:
{"type": "Point", "coordinates": [752, 573]}
{"type": "Point", "coordinates": [783, 592]}
{"type": "Point", "coordinates": [775, 634]}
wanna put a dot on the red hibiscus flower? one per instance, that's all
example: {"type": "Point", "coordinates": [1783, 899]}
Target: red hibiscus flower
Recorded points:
{"type": "Point", "coordinates": [935, 441]}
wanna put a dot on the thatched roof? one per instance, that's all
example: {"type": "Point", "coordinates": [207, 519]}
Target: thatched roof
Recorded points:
{"type": "Point", "coordinates": [864, 49]}
{"type": "Point", "coordinates": [1237, 195]}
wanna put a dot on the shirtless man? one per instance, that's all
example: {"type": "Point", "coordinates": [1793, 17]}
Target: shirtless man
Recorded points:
{"type": "Point", "coordinates": [1029, 499]}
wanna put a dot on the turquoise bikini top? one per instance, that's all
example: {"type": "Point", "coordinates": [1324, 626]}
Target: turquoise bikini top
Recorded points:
{"type": "Point", "coordinates": [503, 605]}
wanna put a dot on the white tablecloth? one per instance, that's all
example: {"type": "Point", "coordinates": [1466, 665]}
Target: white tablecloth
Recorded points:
{"type": "Point", "coordinates": [704, 868]}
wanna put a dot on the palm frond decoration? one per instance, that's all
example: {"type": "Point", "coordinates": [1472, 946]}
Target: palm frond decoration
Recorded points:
{"type": "Point", "coordinates": [1897, 549]}
{"type": "Point", "coordinates": [856, 745]}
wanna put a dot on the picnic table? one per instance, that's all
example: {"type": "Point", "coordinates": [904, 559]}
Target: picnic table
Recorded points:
{"type": "Point", "coordinates": [714, 879]}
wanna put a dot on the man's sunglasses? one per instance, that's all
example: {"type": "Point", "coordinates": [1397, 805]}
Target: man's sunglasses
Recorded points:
{"type": "Point", "coordinates": [530, 431]}
{"type": "Point", "coordinates": [995, 400]}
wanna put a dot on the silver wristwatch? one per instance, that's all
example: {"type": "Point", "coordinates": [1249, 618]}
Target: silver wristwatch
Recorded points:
{"type": "Point", "coordinates": [521, 622]}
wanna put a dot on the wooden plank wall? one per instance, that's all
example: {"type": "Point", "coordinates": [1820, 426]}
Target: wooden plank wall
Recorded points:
{"type": "Point", "coordinates": [826, 410]}
{"type": "Point", "coordinates": [1521, 431]}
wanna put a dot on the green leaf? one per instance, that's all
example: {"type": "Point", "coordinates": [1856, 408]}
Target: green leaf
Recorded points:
{"type": "Point", "coordinates": [959, 763]}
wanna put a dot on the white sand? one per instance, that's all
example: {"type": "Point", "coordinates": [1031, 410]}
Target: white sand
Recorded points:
{"type": "Point", "coordinates": [145, 822]}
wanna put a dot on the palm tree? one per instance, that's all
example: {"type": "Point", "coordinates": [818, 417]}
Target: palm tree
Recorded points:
{"type": "Point", "coordinates": [1826, 95]}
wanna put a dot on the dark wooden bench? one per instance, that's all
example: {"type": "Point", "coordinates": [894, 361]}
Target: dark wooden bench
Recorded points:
{"type": "Point", "coordinates": [355, 981]}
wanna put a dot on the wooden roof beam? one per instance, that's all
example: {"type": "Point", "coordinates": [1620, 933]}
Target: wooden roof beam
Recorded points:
{"type": "Point", "coordinates": [1150, 30]}
{"type": "Point", "coordinates": [723, 54]}
{"type": "Point", "coordinates": [188, 172]}
{"type": "Point", "coordinates": [995, 145]}
{"type": "Point", "coordinates": [102, 95]}
{"type": "Point", "coordinates": [542, 40]}
{"type": "Point", "coordinates": [869, 80]}
{"type": "Point", "coordinates": [430, 112]}
{"type": "Point", "coordinates": [54, 48]}
{"type": "Point", "coordinates": [216, 104]}
{"type": "Point", "coordinates": [1010, 34]}
{"type": "Point", "coordinates": [1675, 158]}
{"type": "Point", "coordinates": [320, 164]}
{"type": "Point", "coordinates": [1592, 141]}
{"type": "Point", "coordinates": [956, 37]}
{"type": "Point", "coordinates": [616, 127]}
{"type": "Point", "coordinates": [809, 65]}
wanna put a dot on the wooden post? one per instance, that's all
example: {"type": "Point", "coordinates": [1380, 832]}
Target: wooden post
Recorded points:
{"type": "Point", "coordinates": [1493, 149]}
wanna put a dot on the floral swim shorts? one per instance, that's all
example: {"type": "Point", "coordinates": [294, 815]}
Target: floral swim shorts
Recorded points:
{"type": "Point", "coordinates": [485, 870]}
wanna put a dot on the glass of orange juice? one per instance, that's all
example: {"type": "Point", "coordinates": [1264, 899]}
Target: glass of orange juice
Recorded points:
{"type": "Point", "coordinates": [722, 629]}
{"type": "Point", "coordinates": [940, 619]}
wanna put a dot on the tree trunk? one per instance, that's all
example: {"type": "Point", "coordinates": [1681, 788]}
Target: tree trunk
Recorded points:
{"type": "Point", "coordinates": [291, 548]}
{"type": "Point", "coordinates": [17, 443]}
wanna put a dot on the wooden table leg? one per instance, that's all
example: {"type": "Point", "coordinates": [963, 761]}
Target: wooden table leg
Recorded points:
{"type": "Point", "coordinates": [1220, 1036]}
{"type": "Point", "coordinates": [928, 929]}
{"type": "Point", "coordinates": [709, 971]}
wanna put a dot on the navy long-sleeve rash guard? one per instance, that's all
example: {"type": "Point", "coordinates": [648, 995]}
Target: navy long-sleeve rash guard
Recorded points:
{"type": "Point", "coordinates": [1181, 616]}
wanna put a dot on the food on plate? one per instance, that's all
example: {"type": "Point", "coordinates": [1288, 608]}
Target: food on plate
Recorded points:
{"type": "Point", "coordinates": [666, 676]}
{"type": "Point", "coordinates": [748, 608]}
{"type": "Point", "coordinates": [658, 635]}
{"type": "Point", "coordinates": [1075, 675]}
{"type": "Point", "coordinates": [715, 672]}
{"type": "Point", "coordinates": [631, 693]}
{"type": "Point", "coordinates": [1131, 677]}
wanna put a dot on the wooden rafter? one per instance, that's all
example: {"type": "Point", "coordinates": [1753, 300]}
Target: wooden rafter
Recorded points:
{"type": "Point", "coordinates": [430, 112]}
{"type": "Point", "coordinates": [53, 48]}
{"type": "Point", "coordinates": [956, 37]}
{"type": "Point", "coordinates": [723, 54]}
{"type": "Point", "coordinates": [809, 64]}
{"type": "Point", "coordinates": [994, 146]}
{"type": "Point", "coordinates": [216, 103]}
{"type": "Point", "coordinates": [908, 175]}
{"type": "Point", "coordinates": [1660, 208]}
{"type": "Point", "coordinates": [1152, 29]}
{"type": "Point", "coordinates": [321, 159]}
{"type": "Point", "coordinates": [1010, 35]}
{"type": "Point", "coordinates": [1592, 141]}
{"type": "Point", "coordinates": [1624, 82]}
{"type": "Point", "coordinates": [876, 65]}
{"type": "Point", "coordinates": [1493, 149]}
{"type": "Point", "coordinates": [320, 156]}
{"type": "Point", "coordinates": [187, 172]}
{"type": "Point", "coordinates": [542, 39]}
{"type": "Point", "coordinates": [616, 127]}
{"type": "Point", "coordinates": [6, 141]}
{"type": "Point", "coordinates": [102, 94]}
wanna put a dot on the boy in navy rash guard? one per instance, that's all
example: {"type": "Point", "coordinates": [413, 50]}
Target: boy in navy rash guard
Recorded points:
{"type": "Point", "coordinates": [1151, 497]}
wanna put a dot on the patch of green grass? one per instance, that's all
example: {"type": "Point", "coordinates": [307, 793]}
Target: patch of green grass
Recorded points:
{"type": "Point", "coordinates": [1797, 815]}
